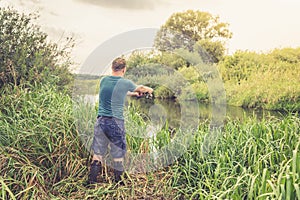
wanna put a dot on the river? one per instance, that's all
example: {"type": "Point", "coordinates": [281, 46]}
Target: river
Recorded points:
{"type": "Point", "coordinates": [172, 109]}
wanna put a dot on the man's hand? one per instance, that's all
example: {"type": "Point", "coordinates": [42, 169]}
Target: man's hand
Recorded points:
{"type": "Point", "coordinates": [143, 89]}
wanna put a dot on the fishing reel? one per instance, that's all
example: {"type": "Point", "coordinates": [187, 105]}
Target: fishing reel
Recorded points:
{"type": "Point", "coordinates": [146, 95]}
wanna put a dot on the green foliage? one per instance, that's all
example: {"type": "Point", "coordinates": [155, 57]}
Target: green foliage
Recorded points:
{"type": "Point", "coordinates": [86, 84]}
{"type": "Point", "coordinates": [270, 81]}
{"type": "Point", "coordinates": [148, 70]}
{"type": "Point", "coordinates": [241, 65]}
{"type": "Point", "coordinates": [26, 56]}
{"type": "Point", "coordinates": [155, 70]}
{"type": "Point", "coordinates": [288, 55]}
{"type": "Point", "coordinates": [251, 160]}
{"type": "Point", "coordinates": [210, 51]}
{"type": "Point", "coordinates": [165, 59]}
{"type": "Point", "coordinates": [86, 87]}
{"type": "Point", "coordinates": [39, 144]}
{"type": "Point", "coordinates": [201, 91]}
{"type": "Point", "coordinates": [185, 29]}
{"type": "Point", "coordinates": [42, 155]}
{"type": "Point", "coordinates": [139, 59]}
{"type": "Point", "coordinates": [250, 79]}
{"type": "Point", "coordinates": [164, 92]}
{"type": "Point", "coordinates": [172, 60]}
{"type": "Point", "coordinates": [190, 73]}
{"type": "Point", "coordinates": [192, 58]}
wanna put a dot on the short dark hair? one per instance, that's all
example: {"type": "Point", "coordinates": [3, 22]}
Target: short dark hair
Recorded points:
{"type": "Point", "coordinates": [118, 64]}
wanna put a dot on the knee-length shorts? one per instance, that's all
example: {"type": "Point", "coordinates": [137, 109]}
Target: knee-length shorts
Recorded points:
{"type": "Point", "coordinates": [109, 131]}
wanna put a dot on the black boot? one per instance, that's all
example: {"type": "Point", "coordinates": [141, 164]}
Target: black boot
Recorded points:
{"type": "Point", "coordinates": [94, 171]}
{"type": "Point", "coordinates": [118, 172]}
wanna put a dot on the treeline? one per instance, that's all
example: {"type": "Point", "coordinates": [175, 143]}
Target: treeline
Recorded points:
{"type": "Point", "coordinates": [261, 80]}
{"type": "Point", "coordinates": [189, 62]}
{"type": "Point", "coordinates": [190, 47]}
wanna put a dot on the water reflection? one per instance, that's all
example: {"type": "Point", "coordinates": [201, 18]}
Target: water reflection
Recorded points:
{"type": "Point", "coordinates": [205, 110]}
{"type": "Point", "coordinates": [171, 110]}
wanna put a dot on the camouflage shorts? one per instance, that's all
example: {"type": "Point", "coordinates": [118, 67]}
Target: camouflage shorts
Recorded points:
{"type": "Point", "coordinates": [109, 131]}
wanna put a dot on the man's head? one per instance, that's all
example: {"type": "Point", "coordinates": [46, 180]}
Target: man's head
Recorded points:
{"type": "Point", "coordinates": [118, 65]}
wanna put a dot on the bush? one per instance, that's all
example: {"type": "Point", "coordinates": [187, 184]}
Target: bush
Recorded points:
{"type": "Point", "coordinates": [164, 92]}
{"type": "Point", "coordinates": [240, 65]}
{"type": "Point", "coordinates": [26, 56]}
{"type": "Point", "coordinates": [268, 81]}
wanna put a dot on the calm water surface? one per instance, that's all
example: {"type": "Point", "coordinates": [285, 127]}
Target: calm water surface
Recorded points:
{"type": "Point", "coordinates": [172, 109]}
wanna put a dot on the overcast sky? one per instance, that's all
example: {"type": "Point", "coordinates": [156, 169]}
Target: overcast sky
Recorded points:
{"type": "Point", "coordinates": [259, 25]}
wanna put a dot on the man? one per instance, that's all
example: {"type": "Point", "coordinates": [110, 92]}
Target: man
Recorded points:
{"type": "Point", "coordinates": [109, 128]}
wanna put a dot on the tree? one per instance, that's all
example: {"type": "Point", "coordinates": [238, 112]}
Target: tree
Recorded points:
{"type": "Point", "coordinates": [210, 51]}
{"type": "Point", "coordinates": [193, 28]}
{"type": "Point", "coordinates": [27, 57]}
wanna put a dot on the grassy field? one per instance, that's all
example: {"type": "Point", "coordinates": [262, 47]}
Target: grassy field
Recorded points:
{"type": "Point", "coordinates": [43, 157]}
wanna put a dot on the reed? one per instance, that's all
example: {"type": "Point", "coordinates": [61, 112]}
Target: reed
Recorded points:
{"type": "Point", "coordinates": [43, 155]}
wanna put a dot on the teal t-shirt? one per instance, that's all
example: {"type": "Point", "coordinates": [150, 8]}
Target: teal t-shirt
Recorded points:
{"type": "Point", "coordinates": [112, 94]}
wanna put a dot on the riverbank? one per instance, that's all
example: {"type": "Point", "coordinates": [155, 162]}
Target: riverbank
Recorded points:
{"type": "Point", "coordinates": [43, 155]}
{"type": "Point", "coordinates": [252, 80]}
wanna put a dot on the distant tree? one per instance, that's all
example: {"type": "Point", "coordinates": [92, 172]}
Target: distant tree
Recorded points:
{"type": "Point", "coordinates": [190, 28]}
{"type": "Point", "coordinates": [26, 55]}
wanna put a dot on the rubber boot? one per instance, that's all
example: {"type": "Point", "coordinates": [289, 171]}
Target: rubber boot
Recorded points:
{"type": "Point", "coordinates": [118, 172]}
{"type": "Point", "coordinates": [96, 167]}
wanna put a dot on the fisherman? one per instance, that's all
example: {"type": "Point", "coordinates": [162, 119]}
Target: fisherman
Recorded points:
{"type": "Point", "coordinates": [109, 128]}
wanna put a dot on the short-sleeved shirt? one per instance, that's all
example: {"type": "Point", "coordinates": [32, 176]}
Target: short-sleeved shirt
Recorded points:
{"type": "Point", "coordinates": [113, 91]}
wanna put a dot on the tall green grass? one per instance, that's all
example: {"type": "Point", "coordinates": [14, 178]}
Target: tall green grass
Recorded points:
{"type": "Point", "coordinates": [42, 154]}
{"type": "Point", "coordinates": [39, 145]}
{"type": "Point", "coordinates": [252, 160]}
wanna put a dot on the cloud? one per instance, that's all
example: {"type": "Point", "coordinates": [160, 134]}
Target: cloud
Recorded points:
{"type": "Point", "coordinates": [125, 4]}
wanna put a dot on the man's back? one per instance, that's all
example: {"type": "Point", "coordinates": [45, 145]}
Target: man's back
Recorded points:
{"type": "Point", "coordinates": [113, 90]}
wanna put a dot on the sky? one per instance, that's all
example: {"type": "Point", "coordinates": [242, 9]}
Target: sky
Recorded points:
{"type": "Point", "coordinates": [257, 25]}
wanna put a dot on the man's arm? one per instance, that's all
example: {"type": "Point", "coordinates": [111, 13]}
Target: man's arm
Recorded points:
{"type": "Point", "coordinates": [133, 94]}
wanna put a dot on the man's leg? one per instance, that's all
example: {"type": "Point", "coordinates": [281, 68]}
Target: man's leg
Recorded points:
{"type": "Point", "coordinates": [118, 169]}
{"type": "Point", "coordinates": [99, 146]}
{"type": "Point", "coordinates": [118, 148]}
{"type": "Point", "coordinates": [95, 169]}
{"type": "Point", "coordinates": [118, 151]}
